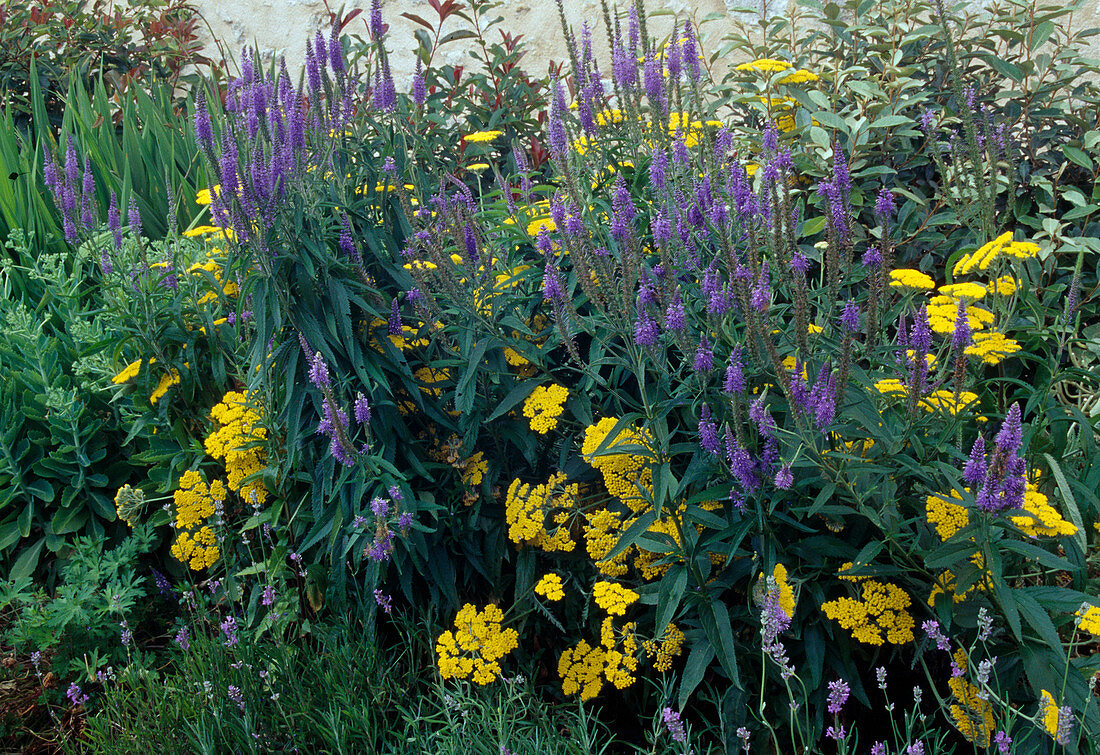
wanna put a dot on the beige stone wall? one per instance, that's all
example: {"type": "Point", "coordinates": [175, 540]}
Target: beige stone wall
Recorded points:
{"type": "Point", "coordinates": [280, 27]}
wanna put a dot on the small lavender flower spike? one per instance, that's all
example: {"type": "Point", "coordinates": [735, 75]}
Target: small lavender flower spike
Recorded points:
{"type": "Point", "coordinates": [674, 725]}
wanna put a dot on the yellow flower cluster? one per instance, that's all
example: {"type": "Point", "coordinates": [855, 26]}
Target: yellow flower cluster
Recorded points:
{"type": "Point", "coordinates": [946, 402]}
{"type": "Point", "coordinates": [601, 532]}
{"type": "Point", "coordinates": [1042, 519]}
{"type": "Point", "coordinates": [943, 311]}
{"type": "Point", "coordinates": [544, 406]}
{"type": "Point", "coordinates": [946, 516]}
{"type": "Point", "coordinates": [195, 500]}
{"type": "Point", "coordinates": [583, 668]}
{"type": "Point", "coordinates": [409, 338]}
{"type": "Point", "coordinates": [881, 615]}
{"type": "Point", "coordinates": [664, 648]}
{"type": "Point", "coordinates": [128, 503]}
{"type": "Point", "coordinates": [891, 387]}
{"type": "Point", "coordinates": [482, 136]}
{"type": "Point", "coordinates": [786, 592]}
{"type": "Point", "coordinates": [473, 469]}
{"type": "Point", "coordinates": [166, 382]}
{"type": "Point", "coordinates": [237, 440]}
{"type": "Point", "coordinates": [527, 510]}
{"type": "Point", "coordinates": [1089, 620]}
{"type": "Point", "coordinates": [1049, 711]}
{"type": "Point", "coordinates": [908, 278]}
{"type": "Point", "coordinates": [983, 257]}
{"type": "Point", "coordinates": [969, 290]}
{"type": "Point", "coordinates": [550, 587]}
{"type": "Point", "coordinates": [213, 268]}
{"type": "Point", "coordinates": [799, 76]}
{"type": "Point", "coordinates": [613, 597]}
{"type": "Point", "coordinates": [625, 475]}
{"type": "Point", "coordinates": [947, 584]}
{"type": "Point", "coordinates": [1006, 285]}
{"type": "Point", "coordinates": [431, 377]}
{"type": "Point", "coordinates": [992, 347]}
{"type": "Point", "coordinates": [765, 65]}
{"type": "Point", "coordinates": [476, 645]}
{"type": "Point", "coordinates": [972, 715]}
{"type": "Point", "coordinates": [199, 549]}
{"type": "Point", "coordinates": [129, 372]}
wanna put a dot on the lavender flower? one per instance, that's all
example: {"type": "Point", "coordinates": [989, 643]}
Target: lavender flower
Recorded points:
{"type": "Point", "coordinates": [735, 373]}
{"type": "Point", "coordinates": [556, 135]}
{"type": "Point", "coordinates": [379, 506]}
{"type": "Point", "coordinates": [974, 471]}
{"type": "Point", "coordinates": [377, 28]}
{"type": "Point", "coordinates": [654, 82]}
{"type": "Point", "coordinates": [384, 601]}
{"type": "Point", "coordinates": [1003, 742]}
{"type": "Point", "coordinates": [135, 217]}
{"type": "Point", "coordinates": [646, 330]}
{"type": "Point", "coordinates": [113, 221]}
{"type": "Point", "coordinates": [551, 283]}
{"type": "Point", "coordinates": [318, 371]}
{"type": "Point", "coordinates": [1010, 437]}
{"type": "Point", "coordinates": [203, 130]}
{"type": "Point", "coordinates": [675, 317]}
{"type": "Point", "coordinates": [690, 52]}
{"type": "Point", "coordinates": [234, 693]}
{"type": "Point", "coordinates": [960, 339]}
{"type": "Point", "coordinates": [708, 432]}
{"type": "Point", "coordinates": [658, 166]}
{"type": "Point", "coordinates": [704, 356]}
{"type": "Point", "coordinates": [183, 638]}
{"type": "Point", "coordinates": [419, 90]}
{"type": "Point", "coordinates": [872, 257]}
{"type": "Point", "coordinates": [76, 695]}
{"type": "Point", "coordinates": [674, 725]}
{"type": "Point", "coordinates": [268, 598]}
{"type": "Point", "coordinates": [784, 478]}
{"type": "Point", "coordinates": [850, 318]}
{"type": "Point", "coordinates": [931, 627]}
{"type": "Point", "coordinates": [229, 629]}
{"type": "Point", "coordinates": [404, 521]}
{"type": "Point", "coordinates": [884, 205]}
{"type": "Point", "coordinates": [761, 293]}
{"type": "Point", "coordinates": [362, 409]}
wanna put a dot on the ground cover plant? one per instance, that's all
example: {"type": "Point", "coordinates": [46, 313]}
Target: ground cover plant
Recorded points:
{"type": "Point", "coordinates": [706, 415]}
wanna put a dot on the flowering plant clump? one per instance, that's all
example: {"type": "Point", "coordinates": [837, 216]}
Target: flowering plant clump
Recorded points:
{"type": "Point", "coordinates": [476, 645]}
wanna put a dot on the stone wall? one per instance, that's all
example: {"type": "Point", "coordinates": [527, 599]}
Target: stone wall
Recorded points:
{"type": "Point", "coordinates": [280, 27]}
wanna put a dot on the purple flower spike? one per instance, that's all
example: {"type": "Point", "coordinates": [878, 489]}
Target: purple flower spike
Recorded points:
{"type": "Point", "coordinates": [850, 318]}
{"type": "Point", "coordinates": [708, 432]}
{"type": "Point", "coordinates": [960, 339]}
{"type": "Point", "coordinates": [761, 294]}
{"type": "Point", "coordinates": [974, 471]}
{"type": "Point", "coordinates": [838, 695]}
{"type": "Point", "coordinates": [784, 478]}
{"type": "Point", "coordinates": [362, 410]}
{"type": "Point", "coordinates": [884, 204]}
{"type": "Point", "coordinates": [318, 371]}
{"type": "Point", "coordinates": [704, 356]}
{"type": "Point", "coordinates": [1010, 437]}
{"type": "Point", "coordinates": [735, 374]}
{"type": "Point", "coordinates": [675, 317]}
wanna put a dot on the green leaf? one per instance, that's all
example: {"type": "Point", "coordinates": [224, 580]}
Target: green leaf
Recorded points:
{"type": "Point", "coordinates": [464, 393]}
{"type": "Point", "coordinates": [27, 562]}
{"type": "Point", "coordinates": [889, 121]}
{"type": "Point", "coordinates": [1070, 503]}
{"type": "Point", "coordinates": [518, 393]}
{"type": "Point", "coordinates": [832, 120]}
{"type": "Point", "coordinates": [702, 652]}
{"type": "Point", "coordinates": [669, 596]}
{"type": "Point", "coordinates": [1075, 155]}
{"type": "Point", "coordinates": [633, 532]}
